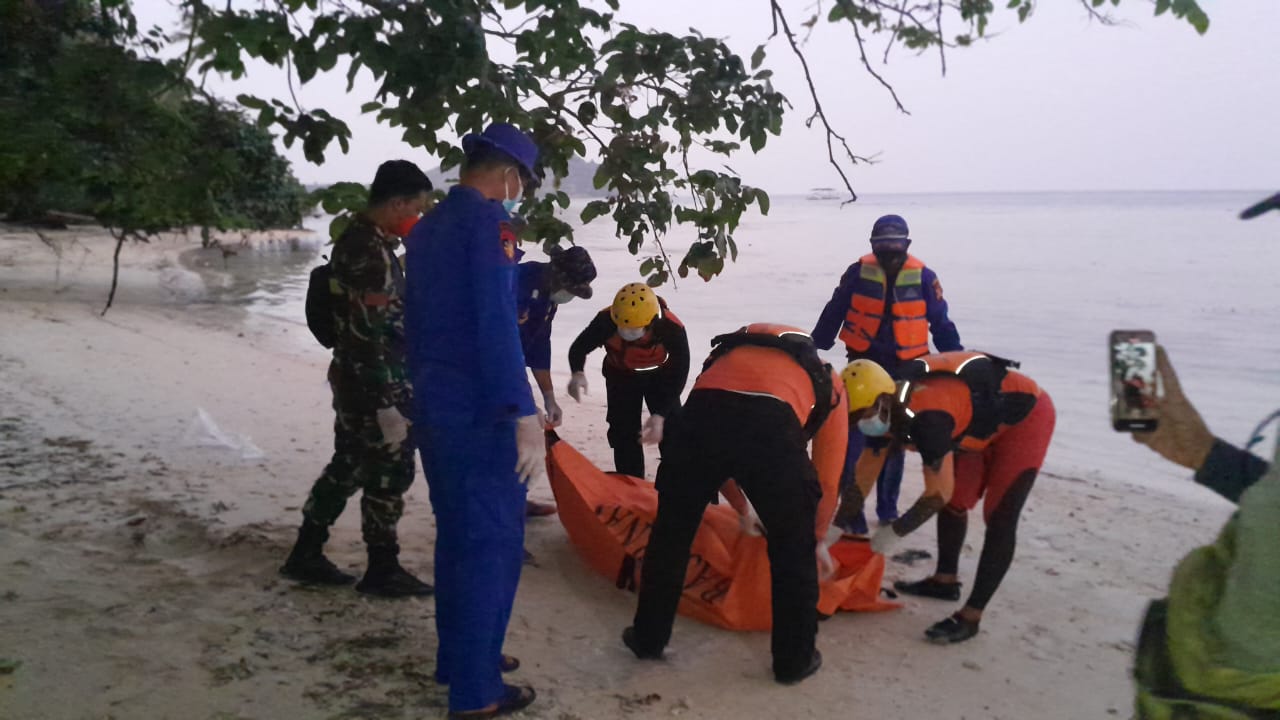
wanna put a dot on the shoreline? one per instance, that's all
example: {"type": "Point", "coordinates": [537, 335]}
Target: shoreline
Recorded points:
{"type": "Point", "coordinates": [149, 565]}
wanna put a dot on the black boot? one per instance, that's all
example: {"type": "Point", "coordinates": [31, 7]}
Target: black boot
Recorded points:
{"type": "Point", "coordinates": [307, 562]}
{"type": "Point", "coordinates": [385, 577]}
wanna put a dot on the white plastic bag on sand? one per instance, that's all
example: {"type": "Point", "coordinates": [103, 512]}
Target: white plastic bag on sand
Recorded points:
{"type": "Point", "coordinates": [204, 432]}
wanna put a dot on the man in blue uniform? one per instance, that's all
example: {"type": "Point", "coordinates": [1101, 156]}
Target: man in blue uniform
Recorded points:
{"type": "Point", "coordinates": [884, 310]}
{"type": "Point", "coordinates": [541, 287]}
{"type": "Point", "coordinates": [474, 418]}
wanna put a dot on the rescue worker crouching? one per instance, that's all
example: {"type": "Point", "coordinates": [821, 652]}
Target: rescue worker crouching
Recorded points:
{"type": "Point", "coordinates": [762, 395]}
{"type": "Point", "coordinates": [982, 431]}
{"type": "Point", "coordinates": [646, 362]}
{"type": "Point", "coordinates": [541, 288]}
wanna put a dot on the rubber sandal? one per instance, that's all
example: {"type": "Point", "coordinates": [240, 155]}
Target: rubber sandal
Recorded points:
{"type": "Point", "coordinates": [929, 588]}
{"type": "Point", "coordinates": [514, 699]}
{"type": "Point", "coordinates": [952, 630]}
{"type": "Point", "coordinates": [537, 509]}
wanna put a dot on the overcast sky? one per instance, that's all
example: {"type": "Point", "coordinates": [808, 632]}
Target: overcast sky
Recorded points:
{"type": "Point", "coordinates": [1058, 103]}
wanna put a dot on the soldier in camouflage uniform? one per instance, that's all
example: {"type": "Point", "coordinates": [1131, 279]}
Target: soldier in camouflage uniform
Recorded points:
{"type": "Point", "coordinates": [372, 395]}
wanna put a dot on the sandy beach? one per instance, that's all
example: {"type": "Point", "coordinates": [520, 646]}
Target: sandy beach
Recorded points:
{"type": "Point", "coordinates": [139, 570]}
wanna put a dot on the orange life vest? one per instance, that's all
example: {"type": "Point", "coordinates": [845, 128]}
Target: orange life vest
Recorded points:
{"type": "Point", "coordinates": [989, 388]}
{"type": "Point", "coordinates": [643, 355]}
{"type": "Point", "coordinates": [866, 308]}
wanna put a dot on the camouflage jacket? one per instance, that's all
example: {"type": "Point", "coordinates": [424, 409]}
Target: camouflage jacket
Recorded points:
{"type": "Point", "coordinates": [368, 370]}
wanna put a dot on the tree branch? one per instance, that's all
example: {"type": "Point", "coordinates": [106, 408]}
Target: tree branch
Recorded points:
{"type": "Point", "coordinates": [862, 53]}
{"type": "Point", "coordinates": [818, 113]}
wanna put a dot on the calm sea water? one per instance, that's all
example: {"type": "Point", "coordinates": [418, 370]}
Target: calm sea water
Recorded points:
{"type": "Point", "coordinates": [1040, 277]}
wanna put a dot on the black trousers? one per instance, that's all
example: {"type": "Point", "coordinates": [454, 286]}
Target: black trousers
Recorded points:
{"type": "Point", "coordinates": [758, 442]}
{"type": "Point", "coordinates": [625, 393]}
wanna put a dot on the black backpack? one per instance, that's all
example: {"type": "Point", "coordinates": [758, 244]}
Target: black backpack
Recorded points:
{"type": "Point", "coordinates": [319, 307]}
{"type": "Point", "coordinates": [984, 375]}
{"type": "Point", "coordinates": [800, 347]}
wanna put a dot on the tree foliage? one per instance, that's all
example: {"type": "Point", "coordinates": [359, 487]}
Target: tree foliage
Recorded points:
{"type": "Point", "coordinates": [648, 102]}
{"type": "Point", "coordinates": [95, 124]}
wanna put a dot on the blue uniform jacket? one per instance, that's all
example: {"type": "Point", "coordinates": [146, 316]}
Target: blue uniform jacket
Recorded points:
{"type": "Point", "coordinates": [884, 349]}
{"type": "Point", "coordinates": [460, 314]}
{"type": "Point", "coordinates": [534, 312]}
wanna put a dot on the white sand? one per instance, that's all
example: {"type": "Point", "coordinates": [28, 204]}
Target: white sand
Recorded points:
{"type": "Point", "coordinates": [139, 575]}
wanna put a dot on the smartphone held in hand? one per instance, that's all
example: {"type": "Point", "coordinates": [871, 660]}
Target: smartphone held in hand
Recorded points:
{"type": "Point", "coordinates": [1133, 380]}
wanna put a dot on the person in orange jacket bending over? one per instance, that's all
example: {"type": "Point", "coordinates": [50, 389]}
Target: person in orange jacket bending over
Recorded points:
{"type": "Point", "coordinates": [762, 395]}
{"type": "Point", "coordinates": [982, 430]}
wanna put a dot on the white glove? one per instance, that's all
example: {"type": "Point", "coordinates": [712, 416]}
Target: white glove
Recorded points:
{"type": "Point", "coordinates": [749, 524]}
{"type": "Point", "coordinates": [531, 448]}
{"type": "Point", "coordinates": [651, 433]}
{"type": "Point", "coordinates": [883, 540]}
{"type": "Point", "coordinates": [554, 414]}
{"type": "Point", "coordinates": [826, 563]}
{"type": "Point", "coordinates": [834, 533]}
{"type": "Point", "coordinates": [394, 427]}
{"type": "Point", "coordinates": [578, 386]}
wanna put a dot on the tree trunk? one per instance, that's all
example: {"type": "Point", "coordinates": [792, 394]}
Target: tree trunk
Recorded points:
{"type": "Point", "coordinates": [115, 269]}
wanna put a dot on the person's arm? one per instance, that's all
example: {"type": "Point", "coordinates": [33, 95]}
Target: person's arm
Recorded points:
{"type": "Point", "coordinates": [932, 433]}
{"type": "Point", "coordinates": [1182, 437]}
{"type": "Point", "coordinates": [543, 379]}
{"type": "Point", "coordinates": [1229, 471]}
{"type": "Point", "coordinates": [675, 373]}
{"type": "Point", "coordinates": [501, 365]}
{"type": "Point", "coordinates": [594, 335]}
{"type": "Point", "coordinates": [945, 336]}
{"type": "Point", "coordinates": [833, 315]}
{"type": "Point", "coordinates": [537, 356]}
{"type": "Point", "coordinates": [829, 446]}
{"type": "Point", "coordinates": [362, 270]}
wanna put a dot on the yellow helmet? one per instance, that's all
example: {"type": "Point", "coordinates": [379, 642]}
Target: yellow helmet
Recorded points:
{"type": "Point", "coordinates": [635, 306]}
{"type": "Point", "coordinates": [864, 382]}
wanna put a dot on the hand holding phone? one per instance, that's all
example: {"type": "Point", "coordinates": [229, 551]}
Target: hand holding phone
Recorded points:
{"type": "Point", "coordinates": [1133, 381]}
{"type": "Point", "coordinates": [1182, 437]}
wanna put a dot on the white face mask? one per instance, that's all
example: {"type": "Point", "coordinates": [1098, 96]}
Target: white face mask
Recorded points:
{"type": "Point", "coordinates": [561, 297]}
{"type": "Point", "coordinates": [630, 334]}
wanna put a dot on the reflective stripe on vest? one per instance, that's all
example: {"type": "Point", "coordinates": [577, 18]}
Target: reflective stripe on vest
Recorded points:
{"type": "Point", "coordinates": [866, 309]}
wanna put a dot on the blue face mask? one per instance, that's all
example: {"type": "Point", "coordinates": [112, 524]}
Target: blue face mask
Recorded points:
{"type": "Point", "coordinates": [510, 204]}
{"type": "Point", "coordinates": [874, 426]}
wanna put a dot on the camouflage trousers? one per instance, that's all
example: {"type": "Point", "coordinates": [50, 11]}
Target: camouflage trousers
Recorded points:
{"type": "Point", "coordinates": [361, 462]}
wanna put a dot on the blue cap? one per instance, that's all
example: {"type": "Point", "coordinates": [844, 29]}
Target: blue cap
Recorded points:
{"type": "Point", "coordinates": [890, 230]}
{"type": "Point", "coordinates": [509, 139]}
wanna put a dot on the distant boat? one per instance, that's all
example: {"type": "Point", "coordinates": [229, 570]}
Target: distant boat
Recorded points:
{"type": "Point", "coordinates": [823, 193]}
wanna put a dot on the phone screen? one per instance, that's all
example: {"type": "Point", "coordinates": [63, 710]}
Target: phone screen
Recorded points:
{"type": "Point", "coordinates": [1133, 380]}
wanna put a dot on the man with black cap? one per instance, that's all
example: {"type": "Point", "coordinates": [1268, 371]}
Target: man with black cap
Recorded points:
{"type": "Point", "coordinates": [371, 392]}
{"type": "Point", "coordinates": [884, 309]}
{"type": "Point", "coordinates": [480, 433]}
{"type": "Point", "coordinates": [541, 287]}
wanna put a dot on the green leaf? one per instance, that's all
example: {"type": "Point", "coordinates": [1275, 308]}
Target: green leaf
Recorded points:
{"type": "Point", "coordinates": [762, 199]}
{"type": "Point", "coordinates": [594, 209]}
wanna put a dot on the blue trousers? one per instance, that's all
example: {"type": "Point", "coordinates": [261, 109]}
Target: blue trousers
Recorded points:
{"type": "Point", "coordinates": [479, 507]}
{"type": "Point", "coordinates": [887, 485]}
